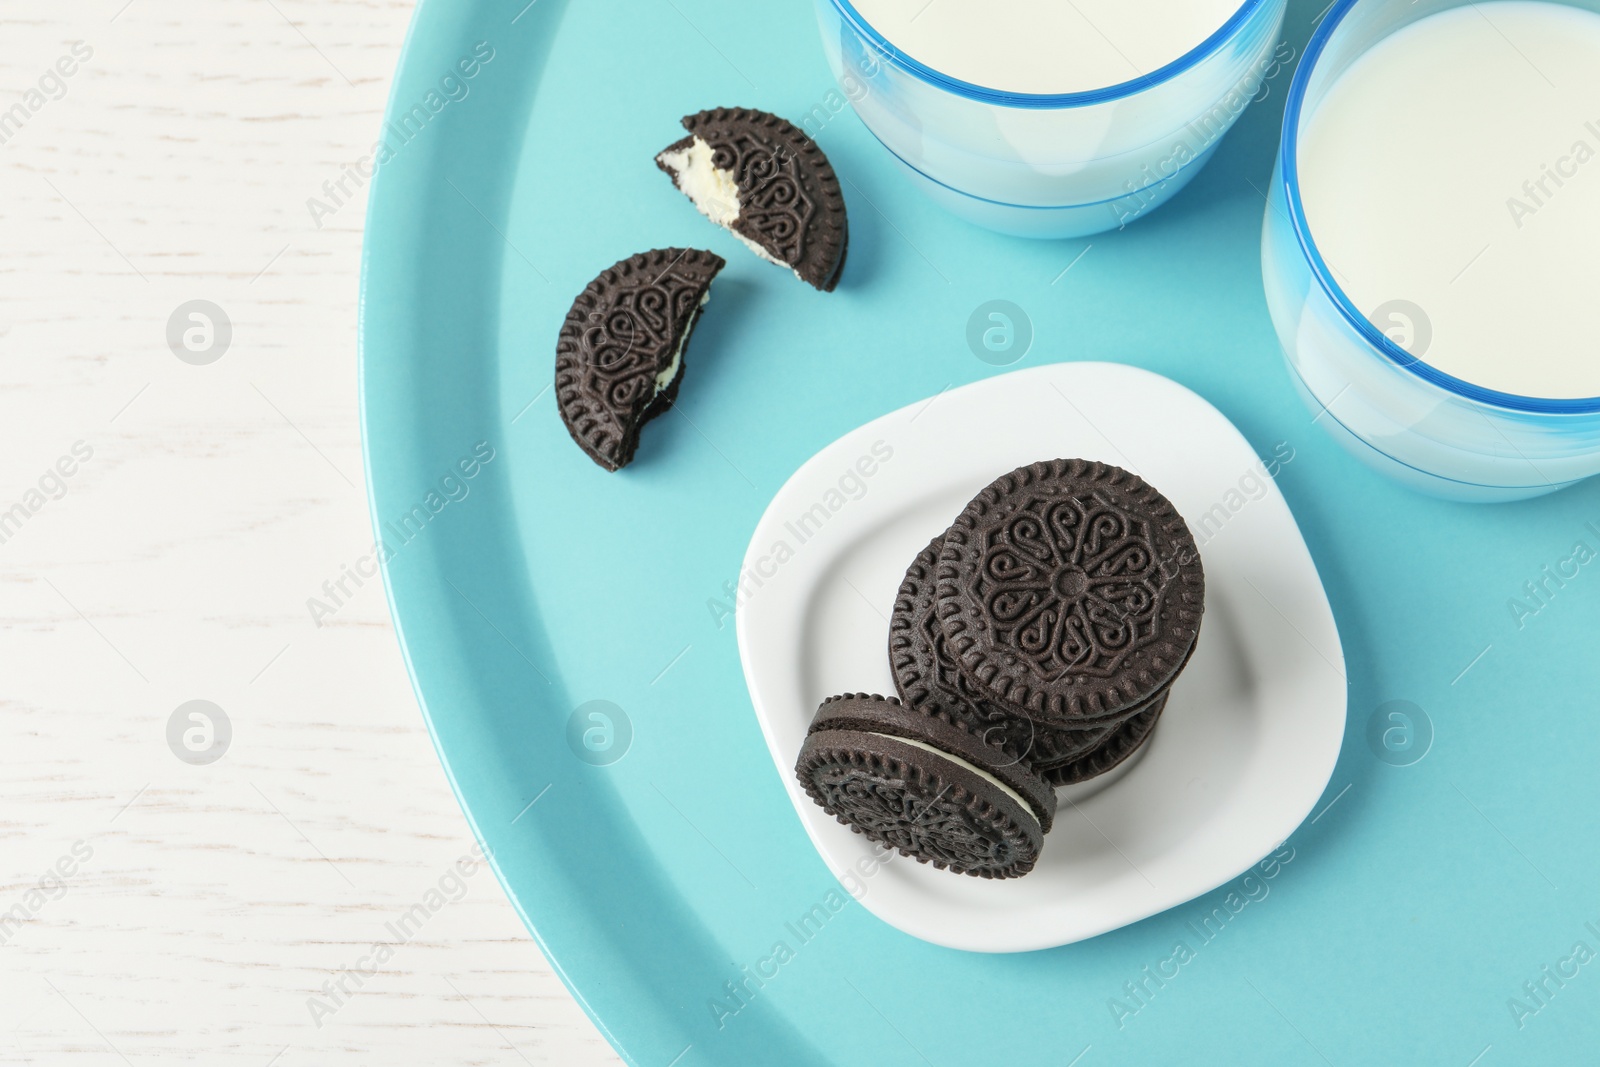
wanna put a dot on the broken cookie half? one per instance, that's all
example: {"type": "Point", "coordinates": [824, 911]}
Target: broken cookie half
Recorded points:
{"type": "Point", "coordinates": [619, 358]}
{"type": "Point", "coordinates": [761, 178]}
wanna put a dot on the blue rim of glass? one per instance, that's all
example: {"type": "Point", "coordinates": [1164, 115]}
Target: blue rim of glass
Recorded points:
{"type": "Point", "coordinates": [1190, 59]}
{"type": "Point", "coordinates": [1375, 337]}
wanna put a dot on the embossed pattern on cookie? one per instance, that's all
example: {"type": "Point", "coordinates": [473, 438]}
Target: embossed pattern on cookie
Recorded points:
{"type": "Point", "coordinates": [620, 355]}
{"type": "Point", "coordinates": [1070, 591]}
{"type": "Point", "coordinates": [927, 804]}
{"type": "Point", "coordinates": [761, 178]}
{"type": "Point", "coordinates": [927, 678]}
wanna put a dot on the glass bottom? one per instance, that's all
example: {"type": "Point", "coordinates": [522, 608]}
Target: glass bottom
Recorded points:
{"type": "Point", "coordinates": [1051, 222]}
{"type": "Point", "coordinates": [1435, 485]}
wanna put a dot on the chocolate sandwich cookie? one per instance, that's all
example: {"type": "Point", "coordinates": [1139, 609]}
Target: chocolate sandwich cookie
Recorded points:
{"type": "Point", "coordinates": [620, 356]}
{"type": "Point", "coordinates": [927, 678]}
{"type": "Point", "coordinates": [1055, 747]}
{"type": "Point", "coordinates": [886, 715]}
{"type": "Point", "coordinates": [877, 767]}
{"type": "Point", "coordinates": [1113, 744]}
{"type": "Point", "coordinates": [1117, 744]}
{"type": "Point", "coordinates": [1070, 592]}
{"type": "Point", "coordinates": [760, 177]}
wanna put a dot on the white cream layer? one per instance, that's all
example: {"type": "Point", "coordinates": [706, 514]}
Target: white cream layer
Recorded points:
{"type": "Point", "coordinates": [979, 771]}
{"type": "Point", "coordinates": [665, 378]}
{"type": "Point", "coordinates": [713, 191]}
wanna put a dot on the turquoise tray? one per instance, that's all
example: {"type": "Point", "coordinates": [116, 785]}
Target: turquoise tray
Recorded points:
{"type": "Point", "coordinates": [1419, 900]}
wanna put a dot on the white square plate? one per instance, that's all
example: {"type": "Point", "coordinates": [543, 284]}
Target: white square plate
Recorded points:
{"type": "Point", "coordinates": [1254, 724]}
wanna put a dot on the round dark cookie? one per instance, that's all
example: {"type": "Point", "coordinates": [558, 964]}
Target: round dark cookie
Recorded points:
{"type": "Point", "coordinates": [790, 203]}
{"type": "Point", "coordinates": [1125, 734]}
{"type": "Point", "coordinates": [1056, 746]}
{"type": "Point", "coordinates": [920, 803]}
{"type": "Point", "coordinates": [1070, 591]}
{"type": "Point", "coordinates": [927, 678]}
{"type": "Point", "coordinates": [1122, 741]}
{"type": "Point", "coordinates": [626, 330]}
{"type": "Point", "coordinates": [885, 715]}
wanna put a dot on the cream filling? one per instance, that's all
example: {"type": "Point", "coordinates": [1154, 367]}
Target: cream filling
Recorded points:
{"type": "Point", "coordinates": [713, 191]}
{"type": "Point", "coordinates": [979, 771]}
{"type": "Point", "coordinates": [710, 188]}
{"type": "Point", "coordinates": [664, 379]}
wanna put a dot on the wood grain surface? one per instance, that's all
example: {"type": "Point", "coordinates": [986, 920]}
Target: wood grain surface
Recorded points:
{"type": "Point", "coordinates": [163, 525]}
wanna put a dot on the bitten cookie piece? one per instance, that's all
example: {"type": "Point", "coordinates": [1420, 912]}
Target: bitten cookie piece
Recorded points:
{"type": "Point", "coordinates": [1071, 592]}
{"type": "Point", "coordinates": [619, 358]}
{"type": "Point", "coordinates": [933, 794]}
{"type": "Point", "coordinates": [761, 178]}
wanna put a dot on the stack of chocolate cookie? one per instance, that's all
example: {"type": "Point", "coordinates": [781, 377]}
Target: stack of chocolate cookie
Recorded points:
{"type": "Point", "coordinates": [1033, 645]}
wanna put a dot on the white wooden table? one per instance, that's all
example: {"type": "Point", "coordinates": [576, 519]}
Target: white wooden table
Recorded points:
{"type": "Point", "coordinates": [162, 527]}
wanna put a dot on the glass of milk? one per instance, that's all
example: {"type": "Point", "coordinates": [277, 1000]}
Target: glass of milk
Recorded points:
{"type": "Point", "coordinates": [1046, 118]}
{"type": "Point", "coordinates": [1431, 251]}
